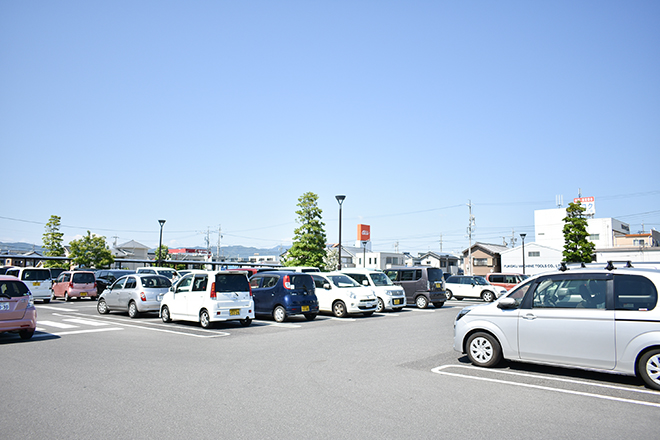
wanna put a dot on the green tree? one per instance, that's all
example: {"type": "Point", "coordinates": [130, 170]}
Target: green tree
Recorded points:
{"type": "Point", "coordinates": [91, 251]}
{"type": "Point", "coordinates": [309, 241]}
{"type": "Point", "coordinates": [162, 253]}
{"type": "Point", "coordinates": [577, 249]}
{"type": "Point", "coordinates": [52, 241]}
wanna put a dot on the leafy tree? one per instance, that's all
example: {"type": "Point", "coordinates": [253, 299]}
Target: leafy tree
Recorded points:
{"type": "Point", "coordinates": [309, 241]}
{"type": "Point", "coordinates": [91, 251]}
{"type": "Point", "coordinates": [162, 253]}
{"type": "Point", "coordinates": [52, 240]}
{"type": "Point", "coordinates": [577, 249]}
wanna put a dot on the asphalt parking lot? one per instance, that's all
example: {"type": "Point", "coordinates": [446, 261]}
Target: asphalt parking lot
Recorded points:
{"type": "Point", "coordinates": [391, 375]}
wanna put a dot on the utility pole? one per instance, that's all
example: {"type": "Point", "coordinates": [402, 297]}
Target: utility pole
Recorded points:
{"type": "Point", "coordinates": [219, 237]}
{"type": "Point", "coordinates": [470, 229]}
{"type": "Point", "coordinates": [513, 238]}
{"type": "Point", "coordinates": [440, 243]}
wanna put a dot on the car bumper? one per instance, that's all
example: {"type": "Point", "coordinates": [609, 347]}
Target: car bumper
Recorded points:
{"type": "Point", "coordinates": [361, 307]}
{"type": "Point", "coordinates": [28, 322]}
{"type": "Point", "coordinates": [230, 314]}
{"type": "Point", "coordinates": [395, 302]}
{"type": "Point", "coordinates": [148, 306]}
{"type": "Point", "coordinates": [297, 310]}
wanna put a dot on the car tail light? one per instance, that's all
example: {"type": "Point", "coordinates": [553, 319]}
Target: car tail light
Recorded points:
{"type": "Point", "coordinates": [213, 295]}
{"type": "Point", "coordinates": [250, 286]}
{"type": "Point", "coordinates": [143, 297]}
{"type": "Point", "coordinates": [95, 286]}
{"type": "Point", "coordinates": [287, 282]}
{"type": "Point", "coordinates": [70, 284]}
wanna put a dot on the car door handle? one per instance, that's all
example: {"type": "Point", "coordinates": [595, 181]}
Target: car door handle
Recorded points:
{"type": "Point", "coordinates": [529, 316]}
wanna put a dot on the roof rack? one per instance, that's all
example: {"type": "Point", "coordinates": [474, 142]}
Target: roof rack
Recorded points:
{"type": "Point", "coordinates": [564, 266]}
{"type": "Point", "coordinates": [610, 264]}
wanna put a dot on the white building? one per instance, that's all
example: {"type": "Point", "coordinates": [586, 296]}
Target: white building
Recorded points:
{"type": "Point", "coordinates": [549, 225]}
{"type": "Point", "coordinates": [538, 259]}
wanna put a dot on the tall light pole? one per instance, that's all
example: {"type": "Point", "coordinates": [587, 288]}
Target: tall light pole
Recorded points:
{"type": "Point", "coordinates": [523, 235]}
{"type": "Point", "coordinates": [160, 243]}
{"type": "Point", "coordinates": [340, 200]}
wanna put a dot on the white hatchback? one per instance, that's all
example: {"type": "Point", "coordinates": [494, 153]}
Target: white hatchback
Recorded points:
{"type": "Point", "coordinates": [209, 297]}
{"type": "Point", "coordinates": [605, 319]}
{"type": "Point", "coordinates": [36, 278]}
{"type": "Point", "coordinates": [342, 295]}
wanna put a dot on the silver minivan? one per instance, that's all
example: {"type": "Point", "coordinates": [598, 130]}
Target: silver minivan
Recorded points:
{"type": "Point", "coordinates": [605, 319]}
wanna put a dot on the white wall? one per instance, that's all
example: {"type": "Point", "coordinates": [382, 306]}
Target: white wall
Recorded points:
{"type": "Point", "coordinates": [547, 259]}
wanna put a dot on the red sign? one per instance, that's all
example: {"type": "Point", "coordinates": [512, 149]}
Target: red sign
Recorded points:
{"type": "Point", "coordinates": [364, 232]}
{"type": "Point", "coordinates": [584, 199]}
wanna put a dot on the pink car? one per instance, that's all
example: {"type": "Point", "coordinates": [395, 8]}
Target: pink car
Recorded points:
{"type": "Point", "coordinates": [17, 312]}
{"type": "Point", "coordinates": [74, 284]}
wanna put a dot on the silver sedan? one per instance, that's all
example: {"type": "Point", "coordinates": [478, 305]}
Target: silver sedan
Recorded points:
{"type": "Point", "coordinates": [134, 294]}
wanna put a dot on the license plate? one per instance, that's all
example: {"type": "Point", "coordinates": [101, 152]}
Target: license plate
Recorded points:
{"type": "Point", "coordinates": [305, 308]}
{"type": "Point", "coordinates": [83, 293]}
{"type": "Point", "coordinates": [234, 312]}
{"type": "Point", "coordinates": [4, 306]}
{"type": "Point", "coordinates": [438, 285]}
{"type": "Point", "coordinates": [397, 302]}
{"type": "Point", "coordinates": [36, 283]}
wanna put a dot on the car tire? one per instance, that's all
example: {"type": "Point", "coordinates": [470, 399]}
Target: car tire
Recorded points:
{"type": "Point", "coordinates": [102, 307]}
{"type": "Point", "coordinates": [648, 367]}
{"type": "Point", "coordinates": [246, 322]}
{"type": "Point", "coordinates": [437, 305]}
{"type": "Point", "coordinates": [67, 298]}
{"type": "Point", "coordinates": [133, 310]}
{"type": "Point", "coordinates": [381, 306]}
{"type": "Point", "coordinates": [488, 296]}
{"type": "Point", "coordinates": [310, 316]}
{"type": "Point", "coordinates": [52, 296]}
{"type": "Point", "coordinates": [26, 334]}
{"type": "Point", "coordinates": [484, 350]}
{"type": "Point", "coordinates": [204, 319]}
{"type": "Point", "coordinates": [449, 295]}
{"type": "Point", "coordinates": [421, 302]}
{"type": "Point", "coordinates": [165, 314]}
{"type": "Point", "coordinates": [339, 309]}
{"type": "Point", "coordinates": [279, 314]}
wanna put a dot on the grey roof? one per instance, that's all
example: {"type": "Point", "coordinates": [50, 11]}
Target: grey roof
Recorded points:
{"type": "Point", "coordinates": [490, 248]}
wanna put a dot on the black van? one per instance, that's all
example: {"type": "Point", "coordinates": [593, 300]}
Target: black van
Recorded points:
{"type": "Point", "coordinates": [423, 284]}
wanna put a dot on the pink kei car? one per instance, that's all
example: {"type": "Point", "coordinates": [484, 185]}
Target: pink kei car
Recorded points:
{"type": "Point", "coordinates": [17, 312]}
{"type": "Point", "coordinates": [74, 284]}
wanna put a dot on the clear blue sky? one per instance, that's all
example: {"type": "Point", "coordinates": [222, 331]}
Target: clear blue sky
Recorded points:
{"type": "Point", "coordinates": [216, 113]}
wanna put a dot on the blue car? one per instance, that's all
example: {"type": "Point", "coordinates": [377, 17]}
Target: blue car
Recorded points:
{"type": "Point", "coordinates": [281, 294]}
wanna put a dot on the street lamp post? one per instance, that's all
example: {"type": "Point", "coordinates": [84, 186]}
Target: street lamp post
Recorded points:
{"type": "Point", "coordinates": [340, 200]}
{"type": "Point", "coordinates": [523, 249]}
{"type": "Point", "coordinates": [160, 242]}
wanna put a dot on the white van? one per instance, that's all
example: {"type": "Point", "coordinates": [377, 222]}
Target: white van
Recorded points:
{"type": "Point", "coordinates": [36, 278]}
{"type": "Point", "coordinates": [390, 296]}
{"type": "Point", "coordinates": [209, 297]}
{"type": "Point", "coordinates": [342, 295]}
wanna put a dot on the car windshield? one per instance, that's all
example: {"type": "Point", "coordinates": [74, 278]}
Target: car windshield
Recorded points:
{"type": "Point", "coordinates": [380, 279]}
{"type": "Point", "coordinates": [343, 281]}
{"type": "Point", "coordinates": [435, 274]}
{"type": "Point", "coordinates": [155, 282]}
{"type": "Point", "coordinates": [36, 275]}
{"type": "Point", "coordinates": [83, 278]}
{"type": "Point", "coordinates": [167, 273]}
{"type": "Point", "coordinates": [13, 289]}
{"type": "Point", "coordinates": [227, 282]}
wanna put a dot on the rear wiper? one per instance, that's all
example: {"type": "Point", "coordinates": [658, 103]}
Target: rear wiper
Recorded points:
{"type": "Point", "coordinates": [6, 295]}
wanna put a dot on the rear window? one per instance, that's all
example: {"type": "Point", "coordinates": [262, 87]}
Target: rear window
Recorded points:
{"type": "Point", "coordinates": [434, 274]}
{"type": "Point", "coordinates": [155, 282]}
{"type": "Point", "coordinates": [302, 282]}
{"type": "Point", "coordinates": [13, 289]}
{"type": "Point", "coordinates": [228, 282]}
{"type": "Point", "coordinates": [83, 278]}
{"type": "Point", "coordinates": [36, 275]}
{"type": "Point", "coordinates": [167, 273]}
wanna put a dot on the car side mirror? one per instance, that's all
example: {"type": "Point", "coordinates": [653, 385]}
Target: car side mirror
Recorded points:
{"type": "Point", "coordinates": [507, 303]}
{"type": "Point", "coordinates": [326, 286]}
{"type": "Point", "coordinates": [365, 283]}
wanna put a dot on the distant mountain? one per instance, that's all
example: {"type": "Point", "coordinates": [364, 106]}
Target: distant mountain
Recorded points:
{"type": "Point", "coordinates": [19, 248]}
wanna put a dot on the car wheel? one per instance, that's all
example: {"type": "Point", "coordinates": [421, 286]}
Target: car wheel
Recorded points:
{"type": "Point", "coordinates": [421, 302]}
{"type": "Point", "coordinates": [381, 306]}
{"type": "Point", "coordinates": [26, 334]}
{"type": "Point", "coordinates": [52, 296]}
{"type": "Point", "coordinates": [132, 310]}
{"type": "Point", "coordinates": [483, 350]}
{"type": "Point", "coordinates": [310, 316]}
{"type": "Point", "coordinates": [368, 313]}
{"type": "Point", "coordinates": [102, 307]}
{"type": "Point", "coordinates": [339, 309]}
{"type": "Point", "coordinates": [279, 314]}
{"type": "Point", "coordinates": [205, 319]}
{"type": "Point", "coordinates": [165, 314]}
{"type": "Point", "coordinates": [648, 368]}
{"type": "Point", "coordinates": [245, 322]}
{"type": "Point", "coordinates": [67, 298]}
{"type": "Point", "coordinates": [437, 305]}
{"type": "Point", "coordinates": [488, 296]}
{"type": "Point", "coordinates": [449, 295]}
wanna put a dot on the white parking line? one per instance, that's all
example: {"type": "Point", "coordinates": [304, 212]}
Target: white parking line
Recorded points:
{"type": "Point", "coordinates": [75, 332]}
{"type": "Point", "coordinates": [56, 324]}
{"type": "Point", "coordinates": [86, 322]}
{"type": "Point", "coordinates": [59, 309]}
{"type": "Point", "coordinates": [440, 370]}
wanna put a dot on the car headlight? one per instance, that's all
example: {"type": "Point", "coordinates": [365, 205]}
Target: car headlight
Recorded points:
{"type": "Point", "coordinates": [462, 313]}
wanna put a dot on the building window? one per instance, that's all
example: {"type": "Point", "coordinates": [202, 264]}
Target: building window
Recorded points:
{"type": "Point", "coordinates": [375, 260]}
{"type": "Point", "coordinates": [443, 263]}
{"type": "Point", "coordinates": [534, 254]}
{"type": "Point", "coordinates": [594, 237]}
{"type": "Point", "coordinates": [481, 261]}
{"type": "Point", "coordinates": [641, 242]}
{"type": "Point", "coordinates": [388, 260]}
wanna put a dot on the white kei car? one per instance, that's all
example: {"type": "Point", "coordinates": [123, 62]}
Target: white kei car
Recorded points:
{"type": "Point", "coordinates": [605, 319]}
{"type": "Point", "coordinates": [209, 297]}
{"type": "Point", "coordinates": [390, 296]}
{"type": "Point", "coordinates": [342, 295]}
